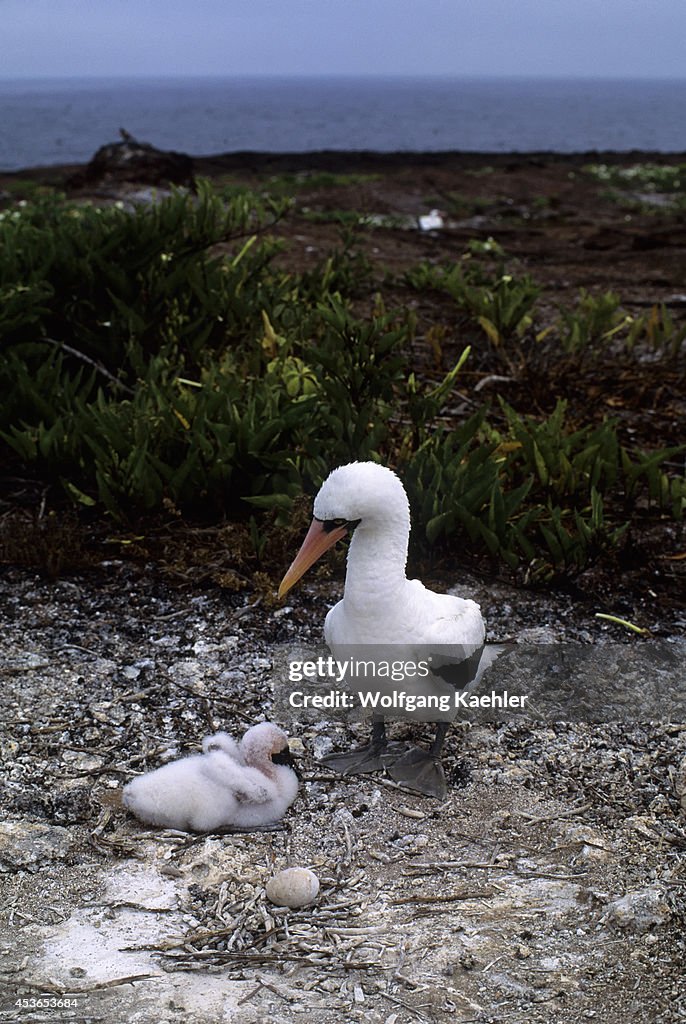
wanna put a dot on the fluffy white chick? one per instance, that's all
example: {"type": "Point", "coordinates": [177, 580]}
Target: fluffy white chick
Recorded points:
{"type": "Point", "coordinates": [228, 786]}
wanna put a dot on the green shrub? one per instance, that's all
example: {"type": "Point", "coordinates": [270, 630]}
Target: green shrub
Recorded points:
{"type": "Point", "coordinates": [502, 307]}
{"type": "Point", "coordinates": [117, 284]}
{"type": "Point", "coordinates": [533, 492]}
{"type": "Point", "coordinates": [158, 357]}
{"type": "Point", "coordinates": [658, 332]}
{"type": "Point", "coordinates": [593, 321]}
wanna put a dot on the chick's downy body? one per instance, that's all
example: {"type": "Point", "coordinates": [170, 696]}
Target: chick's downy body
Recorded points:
{"type": "Point", "coordinates": [229, 785]}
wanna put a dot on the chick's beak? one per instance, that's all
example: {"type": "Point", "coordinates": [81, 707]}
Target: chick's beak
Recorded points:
{"type": "Point", "coordinates": [283, 757]}
{"type": "Point", "coordinates": [317, 541]}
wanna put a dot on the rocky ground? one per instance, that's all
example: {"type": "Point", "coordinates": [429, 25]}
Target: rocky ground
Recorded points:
{"type": "Point", "coordinates": [549, 886]}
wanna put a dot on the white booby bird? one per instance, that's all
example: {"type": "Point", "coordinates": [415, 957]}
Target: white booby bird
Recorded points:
{"type": "Point", "coordinates": [431, 221]}
{"type": "Point", "coordinates": [228, 785]}
{"type": "Point", "coordinates": [381, 606]}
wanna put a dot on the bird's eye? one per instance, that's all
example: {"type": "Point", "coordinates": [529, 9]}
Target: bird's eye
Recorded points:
{"type": "Point", "coordinates": [333, 524]}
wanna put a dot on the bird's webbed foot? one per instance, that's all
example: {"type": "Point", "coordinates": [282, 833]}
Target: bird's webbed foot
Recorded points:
{"type": "Point", "coordinates": [377, 755]}
{"type": "Point", "coordinates": [421, 771]}
{"type": "Point", "coordinates": [372, 758]}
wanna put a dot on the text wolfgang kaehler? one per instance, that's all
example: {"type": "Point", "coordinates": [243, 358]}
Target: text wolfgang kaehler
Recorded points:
{"type": "Point", "coordinates": [400, 700]}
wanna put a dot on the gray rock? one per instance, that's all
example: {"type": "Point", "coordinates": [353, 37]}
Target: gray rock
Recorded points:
{"type": "Point", "coordinates": [639, 910]}
{"type": "Point", "coordinates": [28, 845]}
{"type": "Point", "coordinates": [131, 160]}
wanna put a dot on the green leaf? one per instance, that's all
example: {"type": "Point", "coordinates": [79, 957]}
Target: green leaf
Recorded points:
{"type": "Point", "coordinates": [78, 495]}
{"type": "Point", "coordinates": [269, 501]}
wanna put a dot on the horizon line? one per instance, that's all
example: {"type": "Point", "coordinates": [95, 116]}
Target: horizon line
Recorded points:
{"type": "Point", "coordinates": [197, 76]}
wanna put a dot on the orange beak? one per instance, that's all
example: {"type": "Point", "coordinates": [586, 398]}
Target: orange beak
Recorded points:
{"type": "Point", "coordinates": [317, 541]}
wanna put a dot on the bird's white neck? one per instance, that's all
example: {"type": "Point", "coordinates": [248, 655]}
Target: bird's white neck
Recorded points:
{"type": "Point", "coordinates": [376, 563]}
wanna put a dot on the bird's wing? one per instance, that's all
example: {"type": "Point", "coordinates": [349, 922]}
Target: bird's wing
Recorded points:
{"type": "Point", "coordinates": [247, 784]}
{"type": "Point", "coordinates": [467, 672]}
{"type": "Point", "coordinates": [222, 741]}
{"type": "Point", "coordinates": [490, 655]}
{"type": "Point", "coordinates": [332, 627]}
{"type": "Point", "coordinates": [459, 672]}
{"type": "Point", "coordinates": [454, 622]}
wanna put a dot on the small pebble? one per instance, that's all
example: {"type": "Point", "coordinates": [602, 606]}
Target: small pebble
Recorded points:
{"type": "Point", "coordinates": [321, 746]}
{"type": "Point", "coordinates": [411, 812]}
{"type": "Point", "coordinates": [293, 887]}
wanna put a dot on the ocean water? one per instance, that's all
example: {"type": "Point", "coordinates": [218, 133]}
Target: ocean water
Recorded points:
{"type": "Point", "coordinates": [62, 121]}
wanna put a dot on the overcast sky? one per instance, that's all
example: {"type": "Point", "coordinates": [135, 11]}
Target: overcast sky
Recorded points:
{"type": "Point", "coordinates": [617, 38]}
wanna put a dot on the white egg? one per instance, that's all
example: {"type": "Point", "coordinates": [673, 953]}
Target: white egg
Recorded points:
{"type": "Point", "coordinates": [293, 887]}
